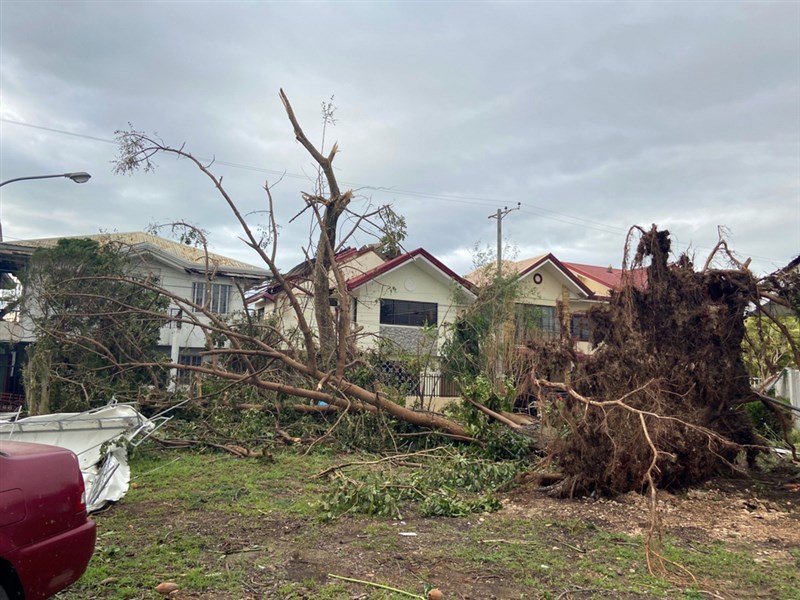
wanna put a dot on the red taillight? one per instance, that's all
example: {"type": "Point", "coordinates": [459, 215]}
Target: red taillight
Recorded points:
{"type": "Point", "coordinates": [81, 495]}
{"type": "Point", "coordinates": [81, 507]}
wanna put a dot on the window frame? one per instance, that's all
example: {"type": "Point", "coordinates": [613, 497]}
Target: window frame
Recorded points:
{"type": "Point", "coordinates": [408, 313]}
{"type": "Point", "coordinates": [216, 297]}
{"type": "Point", "coordinates": [543, 319]}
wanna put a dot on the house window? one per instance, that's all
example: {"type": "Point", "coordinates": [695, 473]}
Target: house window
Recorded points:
{"type": "Point", "coordinates": [191, 360]}
{"type": "Point", "coordinates": [217, 297]}
{"type": "Point", "coordinates": [534, 320]}
{"type": "Point", "coordinates": [404, 312]}
{"type": "Point", "coordinates": [175, 316]}
{"type": "Point", "coordinates": [579, 327]}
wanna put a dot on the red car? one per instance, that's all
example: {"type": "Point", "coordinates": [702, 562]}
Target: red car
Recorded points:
{"type": "Point", "coordinates": [46, 539]}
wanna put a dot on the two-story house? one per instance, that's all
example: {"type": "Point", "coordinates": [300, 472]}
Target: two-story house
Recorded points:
{"type": "Point", "coordinates": [184, 271]}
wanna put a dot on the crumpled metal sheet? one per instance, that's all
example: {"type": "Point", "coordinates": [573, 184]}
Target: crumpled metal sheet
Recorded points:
{"type": "Point", "coordinates": [99, 437]}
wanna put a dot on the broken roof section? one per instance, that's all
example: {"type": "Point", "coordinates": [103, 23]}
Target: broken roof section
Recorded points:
{"type": "Point", "coordinates": [99, 437]}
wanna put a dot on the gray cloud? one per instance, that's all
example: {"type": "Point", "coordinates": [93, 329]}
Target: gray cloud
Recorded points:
{"type": "Point", "coordinates": [593, 116]}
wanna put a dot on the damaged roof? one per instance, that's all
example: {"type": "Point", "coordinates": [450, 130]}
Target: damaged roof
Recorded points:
{"type": "Point", "coordinates": [189, 258]}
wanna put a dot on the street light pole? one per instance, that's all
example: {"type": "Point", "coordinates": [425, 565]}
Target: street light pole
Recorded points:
{"type": "Point", "coordinates": [79, 177]}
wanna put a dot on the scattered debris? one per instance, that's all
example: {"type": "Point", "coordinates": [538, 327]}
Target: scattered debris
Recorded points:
{"type": "Point", "coordinates": [167, 588]}
{"type": "Point", "coordinates": [99, 437]}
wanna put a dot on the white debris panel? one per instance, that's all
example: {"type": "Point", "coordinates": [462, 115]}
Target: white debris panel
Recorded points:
{"type": "Point", "coordinates": [99, 437]}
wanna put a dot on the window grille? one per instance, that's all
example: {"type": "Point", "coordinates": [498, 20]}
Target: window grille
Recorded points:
{"type": "Point", "coordinates": [216, 294]}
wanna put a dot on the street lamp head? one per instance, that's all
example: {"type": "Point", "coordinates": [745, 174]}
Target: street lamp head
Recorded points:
{"type": "Point", "coordinates": [81, 177]}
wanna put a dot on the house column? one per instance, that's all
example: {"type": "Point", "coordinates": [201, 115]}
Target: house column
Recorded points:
{"type": "Point", "coordinates": [174, 355]}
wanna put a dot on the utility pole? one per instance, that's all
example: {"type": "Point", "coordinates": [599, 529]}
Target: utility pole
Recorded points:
{"type": "Point", "coordinates": [500, 215]}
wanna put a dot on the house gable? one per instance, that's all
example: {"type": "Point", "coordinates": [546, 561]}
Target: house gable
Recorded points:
{"type": "Point", "coordinates": [394, 301]}
{"type": "Point", "coordinates": [546, 277]}
{"type": "Point", "coordinates": [422, 260]}
{"type": "Point", "coordinates": [351, 262]}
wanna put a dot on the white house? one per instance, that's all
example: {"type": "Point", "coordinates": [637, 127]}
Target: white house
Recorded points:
{"type": "Point", "coordinates": [271, 300]}
{"type": "Point", "coordinates": [402, 305]}
{"type": "Point", "coordinates": [408, 300]}
{"type": "Point", "coordinates": [184, 271]}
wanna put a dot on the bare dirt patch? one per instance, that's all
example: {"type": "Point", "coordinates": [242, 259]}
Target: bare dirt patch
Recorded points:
{"type": "Point", "coordinates": [759, 515]}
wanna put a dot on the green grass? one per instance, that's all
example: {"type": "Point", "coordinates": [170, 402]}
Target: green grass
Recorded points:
{"type": "Point", "coordinates": [218, 480]}
{"type": "Point", "coordinates": [222, 527]}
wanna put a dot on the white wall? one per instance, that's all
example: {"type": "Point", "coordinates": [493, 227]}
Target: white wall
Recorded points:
{"type": "Point", "coordinates": [180, 283]}
{"type": "Point", "coordinates": [416, 281]}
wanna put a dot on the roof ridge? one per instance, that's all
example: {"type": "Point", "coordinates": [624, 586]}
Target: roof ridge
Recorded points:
{"type": "Point", "coordinates": [185, 252]}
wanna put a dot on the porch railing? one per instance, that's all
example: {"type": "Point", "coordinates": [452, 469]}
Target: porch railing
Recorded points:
{"type": "Point", "coordinates": [10, 402]}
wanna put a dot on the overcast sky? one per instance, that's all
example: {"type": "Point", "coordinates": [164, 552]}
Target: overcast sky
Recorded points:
{"type": "Point", "coordinates": [595, 116]}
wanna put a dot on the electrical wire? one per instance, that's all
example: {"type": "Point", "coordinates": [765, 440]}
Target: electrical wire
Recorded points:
{"type": "Point", "coordinates": [530, 209]}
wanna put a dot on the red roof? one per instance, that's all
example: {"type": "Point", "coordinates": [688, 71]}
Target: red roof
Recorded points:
{"type": "Point", "coordinates": [269, 289]}
{"type": "Point", "coordinates": [389, 265]}
{"type": "Point", "coordinates": [608, 276]}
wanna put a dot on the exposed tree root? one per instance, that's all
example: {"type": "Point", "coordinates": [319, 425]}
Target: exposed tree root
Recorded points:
{"type": "Point", "coordinates": [659, 405]}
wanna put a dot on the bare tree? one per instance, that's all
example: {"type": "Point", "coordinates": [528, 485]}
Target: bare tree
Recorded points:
{"type": "Point", "coordinates": [319, 366]}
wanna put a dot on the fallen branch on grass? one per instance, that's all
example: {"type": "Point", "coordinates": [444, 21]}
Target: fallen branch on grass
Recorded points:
{"type": "Point", "coordinates": [373, 462]}
{"type": "Point", "coordinates": [289, 439]}
{"type": "Point", "coordinates": [377, 585]}
{"type": "Point", "coordinates": [239, 451]}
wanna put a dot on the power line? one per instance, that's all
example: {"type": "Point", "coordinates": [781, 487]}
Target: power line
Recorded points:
{"type": "Point", "coordinates": [61, 131]}
{"type": "Point", "coordinates": [469, 200]}
{"type": "Point", "coordinates": [527, 208]}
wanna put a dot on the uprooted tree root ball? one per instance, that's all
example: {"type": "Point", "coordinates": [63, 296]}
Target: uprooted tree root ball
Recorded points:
{"type": "Point", "coordinates": [660, 403]}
